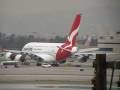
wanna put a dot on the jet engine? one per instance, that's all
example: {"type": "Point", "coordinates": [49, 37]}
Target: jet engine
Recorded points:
{"type": "Point", "coordinates": [15, 57]}
{"type": "Point", "coordinates": [83, 58]}
{"type": "Point", "coordinates": [9, 56]}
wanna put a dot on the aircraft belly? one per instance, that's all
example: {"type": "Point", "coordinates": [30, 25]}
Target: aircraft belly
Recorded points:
{"type": "Point", "coordinates": [46, 57]}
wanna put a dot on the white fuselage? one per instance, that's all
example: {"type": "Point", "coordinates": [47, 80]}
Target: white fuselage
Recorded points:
{"type": "Point", "coordinates": [37, 47]}
{"type": "Point", "coordinates": [45, 51]}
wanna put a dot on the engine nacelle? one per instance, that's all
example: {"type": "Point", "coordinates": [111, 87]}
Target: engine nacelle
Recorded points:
{"type": "Point", "coordinates": [8, 55]}
{"type": "Point", "coordinates": [14, 57]}
{"type": "Point", "coordinates": [83, 58]}
{"type": "Point", "coordinates": [18, 57]}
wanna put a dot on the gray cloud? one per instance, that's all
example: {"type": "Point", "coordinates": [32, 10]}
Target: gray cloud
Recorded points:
{"type": "Point", "coordinates": [48, 17]}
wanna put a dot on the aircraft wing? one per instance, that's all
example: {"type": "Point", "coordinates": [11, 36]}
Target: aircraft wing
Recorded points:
{"type": "Point", "coordinates": [46, 57]}
{"type": "Point", "coordinates": [85, 54]}
{"type": "Point", "coordinates": [87, 50]}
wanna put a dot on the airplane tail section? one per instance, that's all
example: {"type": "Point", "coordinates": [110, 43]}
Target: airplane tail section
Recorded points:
{"type": "Point", "coordinates": [69, 45]}
{"type": "Point", "coordinates": [71, 39]}
{"type": "Point", "coordinates": [88, 41]}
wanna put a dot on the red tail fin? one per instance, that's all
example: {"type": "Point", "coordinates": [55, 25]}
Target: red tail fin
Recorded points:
{"type": "Point", "coordinates": [65, 50]}
{"type": "Point", "coordinates": [74, 31]}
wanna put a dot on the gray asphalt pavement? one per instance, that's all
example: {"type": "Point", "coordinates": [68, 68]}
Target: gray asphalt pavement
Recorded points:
{"type": "Point", "coordinates": [56, 74]}
{"type": "Point", "coordinates": [44, 87]}
{"type": "Point", "coordinates": [48, 87]}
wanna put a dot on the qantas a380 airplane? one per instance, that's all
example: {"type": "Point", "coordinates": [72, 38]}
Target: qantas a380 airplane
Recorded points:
{"type": "Point", "coordinates": [50, 52]}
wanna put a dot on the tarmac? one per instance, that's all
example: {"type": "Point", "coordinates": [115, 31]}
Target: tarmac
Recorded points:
{"type": "Point", "coordinates": [64, 77]}
{"type": "Point", "coordinates": [81, 75]}
{"type": "Point", "coordinates": [44, 87]}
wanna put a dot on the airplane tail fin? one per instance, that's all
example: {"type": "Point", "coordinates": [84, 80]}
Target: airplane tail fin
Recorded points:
{"type": "Point", "coordinates": [71, 39]}
{"type": "Point", "coordinates": [88, 41]}
{"type": "Point", "coordinates": [69, 46]}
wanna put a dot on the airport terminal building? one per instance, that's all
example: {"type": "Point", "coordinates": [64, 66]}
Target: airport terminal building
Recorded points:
{"type": "Point", "coordinates": [110, 43]}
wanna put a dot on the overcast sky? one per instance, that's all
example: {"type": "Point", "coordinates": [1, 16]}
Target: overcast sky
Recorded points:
{"type": "Point", "coordinates": [54, 17]}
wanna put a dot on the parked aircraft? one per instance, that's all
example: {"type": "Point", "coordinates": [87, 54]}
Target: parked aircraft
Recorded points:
{"type": "Point", "coordinates": [50, 52]}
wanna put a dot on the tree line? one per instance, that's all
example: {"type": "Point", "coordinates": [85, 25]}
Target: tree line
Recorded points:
{"type": "Point", "coordinates": [13, 41]}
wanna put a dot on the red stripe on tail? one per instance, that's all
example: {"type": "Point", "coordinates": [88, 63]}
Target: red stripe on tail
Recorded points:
{"type": "Point", "coordinates": [74, 31]}
{"type": "Point", "coordinates": [70, 42]}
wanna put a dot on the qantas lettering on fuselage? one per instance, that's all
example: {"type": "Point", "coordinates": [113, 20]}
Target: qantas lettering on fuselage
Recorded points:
{"type": "Point", "coordinates": [27, 49]}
